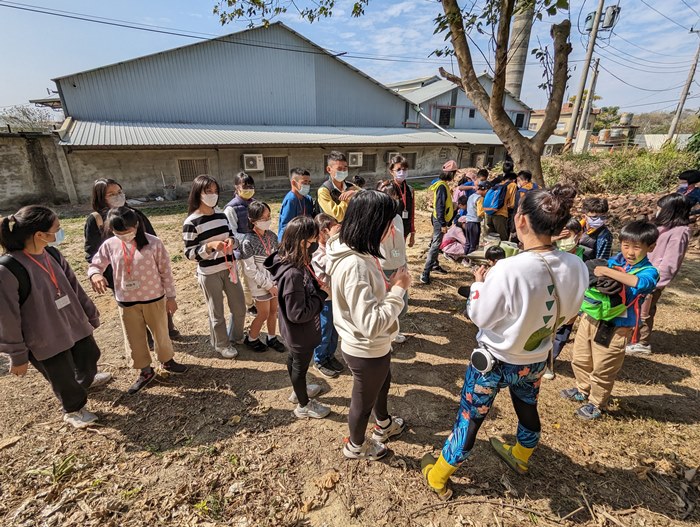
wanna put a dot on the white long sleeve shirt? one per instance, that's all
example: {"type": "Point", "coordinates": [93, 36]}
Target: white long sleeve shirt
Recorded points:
{"type": "Point", "coordinates": [515, 307]}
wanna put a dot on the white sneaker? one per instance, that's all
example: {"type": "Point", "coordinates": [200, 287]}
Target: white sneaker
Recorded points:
{"type": "Point", "coordinates": [396, 427]}
{"type": "Point", "coordinates": [548, 374]}
{"type": "Point", "coordinates": [80, 419]}
{"type": "Point", "coordinates": [228, 353]}
{"type": "Point", "coordinates": [370, 449]}
{"type": "Point", "coordinates": [101, 379]}
{"type": "Point", "coordinates": [312, 390]}
{"type": "Point", "coordinates": [314, 410]}
{"type": "Point", "coordinates": [638, 349]}
{"type": "Point", "coordinates": [400, 338]}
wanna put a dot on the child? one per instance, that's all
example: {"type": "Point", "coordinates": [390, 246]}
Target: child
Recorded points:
{"type": "Point", "coordinates": [144, 289]}
{"type": "Point", "coordinates": [236, 211]}
{"type": "Point", "coordinates": [493, 254]}
{"type": "Point", "coordinates": [474, 213]}
{"type": "Point", "coordinates": [398, 169]}
{"type": "Point", "coordinates": [688, 187]}
{"type": "Point", "coordinates": [442, 215]}
{"type": "Point", "coordinates": [325, 362]}
{"type": "Point", "coordinates": [297, 202]}
{"type": "Point", "coordinates": [461, 209]}
{"type": "Point", "coordinates": [301, 299]}
{"type": "Point", "coordinates": [256, 246]}
{"type": "Point", "coordinates": [525, 185]}
{"type": "Point", "coordinates": [673, 220]}
{"type": "Point", "coordinates": [359, 182]}
{"type": "Point", "coordinates": [597, 240]}
{"type": "Point", "coordinates": [604, 329]}
{"type": "Point", "coordinates": [335, 193]}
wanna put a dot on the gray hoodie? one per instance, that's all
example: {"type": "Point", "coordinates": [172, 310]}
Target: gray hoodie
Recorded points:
{"type": "Point", "coordinates": [365, 314]}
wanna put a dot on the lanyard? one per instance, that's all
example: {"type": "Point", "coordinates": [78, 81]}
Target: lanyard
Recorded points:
{"type": "Point", "coordinates": [47, 269]}
{"type": "Point", "coordinates": [314, 275]}
{"type": "Point", "coordinates": [268, 250]}
{"type": "Point", "coordinates": [387, 285]}
{"type": "Point", "coordinates": [403, 195]}
{"type": "Point", "coordinates": [128, 258]}
{"type": "Point", "coordinates": [231, 268]}
{"type": "Point", "coordinates": [302, 204]}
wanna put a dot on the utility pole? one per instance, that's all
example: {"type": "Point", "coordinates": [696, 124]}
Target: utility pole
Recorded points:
{"type": "Point", "coordinates": [588, 106]}
{"type": "Point", "coordinates": [584, 73]}
{"type": "Point", "coordinates": [684, 93]}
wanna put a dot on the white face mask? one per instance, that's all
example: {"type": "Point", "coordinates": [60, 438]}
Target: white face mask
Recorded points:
{"type": "Point", "coordinates": [340, 176]}
{"type": "Point", "coordinates": [263, 225]}
{"type": "Point", "coordinates": [566, 244]}
{"type": "Point", "coordinates": [116, 201]}
{"type": "Point", "coordinates": [126, 238]}
{"type": "Point", "coordinates": [210, 200]}
{"type": "Point", "coordinates": [400, 175]}
{"type": "Point", "coordinates": [59, 237]}
{"type": "Point", "coordinates": [304, 190]}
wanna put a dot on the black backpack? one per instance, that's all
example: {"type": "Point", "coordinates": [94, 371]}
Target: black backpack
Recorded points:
{"type": "Point", "coordinates": [21, 274]}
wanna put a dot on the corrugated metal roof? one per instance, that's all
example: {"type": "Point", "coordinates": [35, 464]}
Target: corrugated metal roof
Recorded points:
{"type": "Point", "coordinates": [134, 135]}
{"type": "Point", "coordinates": [430, 91]}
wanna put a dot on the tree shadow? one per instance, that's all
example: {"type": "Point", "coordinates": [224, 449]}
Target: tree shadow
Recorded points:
{"type": "Point", "coordinates": [681, 343]}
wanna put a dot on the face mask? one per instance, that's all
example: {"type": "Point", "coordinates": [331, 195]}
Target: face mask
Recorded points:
{"type": "Point", "coordinates": [60, 236]}
{"type": "Point", "coordinates": [116, 201]}
{"type": "Point", "coordinates": [566, 244]}
{"type": "Point", "coordinates": [304, 190]}
{"type": "Point", "coordinates": [210, 200]}
{"type": "Point", "coordinates": [595, 223]}
{"type": "Point", "coordinates": [126, 238]}
{"type": "Point", "coordinates": [340, 176]}
{"type": "Point", "coordinates": [313, 248]}
{"type": "Point", "coordinates": [263, 225]}
{"type": "Point", "coordinates": [400, 176]}
{"type": "Point", "coordinates": [247, 193]}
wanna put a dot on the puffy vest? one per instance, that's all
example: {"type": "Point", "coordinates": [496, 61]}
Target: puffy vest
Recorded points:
{"type": "Point", "coordinates": [449, 206]}
{"type": "Point", "coordinates": [240, 207]}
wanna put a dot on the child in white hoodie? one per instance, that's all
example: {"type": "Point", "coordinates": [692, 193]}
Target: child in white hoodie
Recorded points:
{"type": "Point", "coordinates": [366, 309]}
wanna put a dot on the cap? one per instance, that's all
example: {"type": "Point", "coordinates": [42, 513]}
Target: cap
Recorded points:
{"type": "Point", "coordinates": [450, 166]}
{"type": "Point", "coordinates": [483, 185]}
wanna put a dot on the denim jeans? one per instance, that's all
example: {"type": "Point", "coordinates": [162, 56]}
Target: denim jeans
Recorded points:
{"type": "Point", "coordinates": [329, 336]}
{"type": "Point", "coordinates": [434, 250]}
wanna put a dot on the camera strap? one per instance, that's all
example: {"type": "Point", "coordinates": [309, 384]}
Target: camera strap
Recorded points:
{"type": "Point", "coordinates": [557, 301]}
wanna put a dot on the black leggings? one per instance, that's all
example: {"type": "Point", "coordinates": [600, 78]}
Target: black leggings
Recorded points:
{"type": "Point", "coordinates": [298, 361]}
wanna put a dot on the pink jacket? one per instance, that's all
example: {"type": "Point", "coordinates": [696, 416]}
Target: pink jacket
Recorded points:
{"type": "Point", "coordinates": [669, 252]}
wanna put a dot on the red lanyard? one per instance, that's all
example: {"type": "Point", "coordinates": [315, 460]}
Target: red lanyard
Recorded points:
{"type": "Point", "coordinates": [128, 258]}
{"type": "Point", "coordinates": [387, 285]}
{"type": "Point", "coordinates": [48, 270]}
{"type": "Point", "coordinates": [302, 204]}
{"type": "Point", "coordinates": [268, 250]}
{"type": "Point", "coordinates": [403, 196]}
{"type": "Point", "coordinates": [314, 275]}
{"type": "Point", "coordinates": [231, 268]}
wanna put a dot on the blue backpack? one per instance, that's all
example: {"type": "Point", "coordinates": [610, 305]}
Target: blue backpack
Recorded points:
{"type": "Point", "coordinates": [495, 198]}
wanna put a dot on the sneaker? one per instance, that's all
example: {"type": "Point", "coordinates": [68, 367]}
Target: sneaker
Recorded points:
{"type": "Point", "coordinates": [439, 270]}
{"type": "Point", "coordinates": [228, 353]}
{"type": "Point", "coordinates": [174, 334]}
{"type": "Point", "coordinates": [80, 419]}
{"type": "Point", "coordinates": [425, 278]}
{"type": "Point", "coordinates": [396, 427]}
{"type": "Point", "coordinates": [145, 377]}
{"type": "Point", "coordinates": [174, 367]}
{"type": "Point", "coordinates": [312, 390]}
{"type": "Point", "coordinates": [370, 449]}
{"type": "Point", "coordinates": [638, 349]}
{"type": "Point", "coordinates": [549, 374]}
{"type": "Point", "coordinates": [505, 452]}
{"type": "Point", "coordinates": [572, 394]}
{"type": "Point", "coordinates": [314, 409]}
{"type": "Point", "coordinates": [325, 370]}
{"type": "Point", "coordinates": [588, 412]}
{"type": "Point", "coordinates": [257, 345]}
{"type": "Point", "coordinates": [276, 345]}
{"type": "Point", "coordinates": [400, 338]}
{"type": "Point", "coordinates": [101, 379]}
{"type": "Point", "coordinates": [335, 364]}
{"type": "Point", "coordinates": [252, 310]}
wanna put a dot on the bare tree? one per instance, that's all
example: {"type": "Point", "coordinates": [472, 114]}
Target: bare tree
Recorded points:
{"type": "Point", "coordinates": [25, 118]}
{"type": "Point", "coordinates": [456, 22]}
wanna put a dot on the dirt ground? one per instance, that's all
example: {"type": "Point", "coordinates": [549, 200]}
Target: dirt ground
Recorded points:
{"type": "Point", "coordinates": [220, 445]}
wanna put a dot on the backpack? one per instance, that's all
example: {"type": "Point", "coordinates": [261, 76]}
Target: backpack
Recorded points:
{"type": "Point", "coordinates": [18, 270]}
{"type": "Point", "coordinates": [495, 198]}
{"type": "Point", "coordinates": [600, 306]}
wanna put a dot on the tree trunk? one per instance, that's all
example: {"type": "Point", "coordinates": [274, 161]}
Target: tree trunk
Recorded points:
{"type": "Point", "coordinates": [526, 158]}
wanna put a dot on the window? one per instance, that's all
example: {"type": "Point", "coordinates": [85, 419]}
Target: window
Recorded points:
{"type": "Point", "coordinates": [444, 116]}
{"type": "Point", "coordinates": [490, 155]}
{"type": "Point", "coordinates": [472, 113]}
{"type": "Point", "coordinates": [519, 120]}
{"type": "Point", "coordinates": [410, 159]}
{"type": "Point", "coordinates": [191, 168]}
{"type": "Point", "coordinates": [369, 163]}
{"type": "Point", "coordinates": [276, 167]}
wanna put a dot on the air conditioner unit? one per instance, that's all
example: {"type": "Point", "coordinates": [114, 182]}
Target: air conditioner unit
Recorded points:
{"type": "Point", "coordinates": [354, 159]}
{"type": "Point", "coordinates": [548, 150]}
{"type": "Point", "coordinates": [253, 163]}
{"type": "Point", "coordinates": [389, 155]}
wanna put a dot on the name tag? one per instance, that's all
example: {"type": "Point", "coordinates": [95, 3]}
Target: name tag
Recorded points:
{"type": "Point", "coordinates": [130, 285]}
{"type": "Point", "coordinates": [395, 253]}
{"type": "Point", "coordinates": [62, 302]}
{"type": "Point", "coordinates": [404, 215]}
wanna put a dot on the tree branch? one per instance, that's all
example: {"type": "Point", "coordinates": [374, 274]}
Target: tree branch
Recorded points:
{"type": "Point", "coordinates": [499, 76]}
{"type": "Point", "coordinates": [562, 49]}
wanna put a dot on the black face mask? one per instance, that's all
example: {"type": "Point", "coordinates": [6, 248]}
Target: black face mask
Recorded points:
{"type": "Point", "coordinates": [312, 249]}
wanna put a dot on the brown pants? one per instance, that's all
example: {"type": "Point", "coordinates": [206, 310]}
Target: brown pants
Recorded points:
{"type": "Point", "coordinates": [134, 321]}
{"type": "Point", "coordinates": [498, 225]}
{"type": "Point", "coordinates": [646, 315]}
{"type": "Point", "coordinates": [595, 366]}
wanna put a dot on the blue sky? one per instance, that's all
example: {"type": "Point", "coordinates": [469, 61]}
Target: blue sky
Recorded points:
{"type": "Point", "coordinates": [646, 50]}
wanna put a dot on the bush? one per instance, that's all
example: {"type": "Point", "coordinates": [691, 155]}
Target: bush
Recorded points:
{"type": "Point", "coordinates": [628, 171]}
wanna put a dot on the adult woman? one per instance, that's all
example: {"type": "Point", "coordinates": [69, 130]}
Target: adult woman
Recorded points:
{"type": "Point", "coordinates": [398, 169]}
{"type": "Point", "coordinates": [210, 242]}
{"type": "Point", "coordinates": [108, 194]}
{"type": "Point", "coordinates": [366, 308]}
{"type": "Point", "coordinates": [50, 323]}
{"type": "Point", "coordinates": [517, 306]}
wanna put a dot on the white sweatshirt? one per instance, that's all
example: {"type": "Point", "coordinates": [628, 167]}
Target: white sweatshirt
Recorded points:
{"type": "Point", "coordinates": [515, 307]}
{"type": "Point", "coordinates": [365, 314]}
{"type": "Point", "coordinates": [393, 248]}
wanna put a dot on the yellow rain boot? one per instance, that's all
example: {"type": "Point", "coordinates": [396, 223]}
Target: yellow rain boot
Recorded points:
{"type": "Point", "coordinates": [516, 456]}
{"type": "Point", "coordinates": [437, 473]}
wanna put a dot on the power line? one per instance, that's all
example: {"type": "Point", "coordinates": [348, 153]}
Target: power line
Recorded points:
{"type": "Point", "coordinates": [645, 49]}
{"type": "Point", "coordinates": [660, 69]}
{"type": "Point", "coordinates": [637, 87]}
{"type": "Point", "coordinates": [675, 101]}
{"type": "Point", "coordinates": [684, 62]}
{"type": "Point", "coordinates": [666, 17]}
{"type": "Point", "coordinates": [690, 7]}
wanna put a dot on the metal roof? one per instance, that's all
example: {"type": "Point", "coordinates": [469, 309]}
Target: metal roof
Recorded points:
{"type": "Point", "coordinates": [89, 134]}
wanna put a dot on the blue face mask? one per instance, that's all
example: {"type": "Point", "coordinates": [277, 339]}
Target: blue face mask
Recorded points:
{"type": "Point", "coordinates": [60, 236]}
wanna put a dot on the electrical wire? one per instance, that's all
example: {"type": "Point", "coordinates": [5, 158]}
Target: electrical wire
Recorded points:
{"type": "Point", "coordinates": [674, 101]}
{"type": "Point", "coordinates": [690, 7]}
{"type": "Point", "coordinates": [684, 62]}
{"type": "Point", "coordinates": [659, 69]}
{"type": "Point", "coordinates": [663, 15]}
{"type": "Point", "coordinates": [637, 87]}
{"type": "Point", "coordinates": [645, 49]}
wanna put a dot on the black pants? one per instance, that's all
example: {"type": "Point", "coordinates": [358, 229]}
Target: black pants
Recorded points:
{"type": "Point", "coordinates": [371, 379]}
{"type": "Point", "coordinates": [298, 361]}
{"type": "Point", "coordinates": [71, 372]}
{"type": "Point", "coordinates": [472, 233]}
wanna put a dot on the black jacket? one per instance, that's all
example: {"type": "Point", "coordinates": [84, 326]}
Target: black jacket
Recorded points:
{"type": "Point", "coordinates": [300, 301]}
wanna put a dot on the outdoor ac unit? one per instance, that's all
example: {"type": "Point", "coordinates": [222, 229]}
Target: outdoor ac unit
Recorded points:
{"type": "Point", "coordinates": [253, 163]}
{"type": "Point", "coordinates": [548, 150]}
{"type": "Point", "coordinates": [355, 159]}
{"type": "Point", "coordinates": [389, 155]}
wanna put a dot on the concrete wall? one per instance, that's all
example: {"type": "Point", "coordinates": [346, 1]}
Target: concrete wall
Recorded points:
{"type": "Point", "coordinates": [29, 170]}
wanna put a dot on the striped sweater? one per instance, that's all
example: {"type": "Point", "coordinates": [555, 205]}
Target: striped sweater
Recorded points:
{"type": "Point", "coordinates": [200, 229]}
{"type": "Point", "coordinates": [254, 251]}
